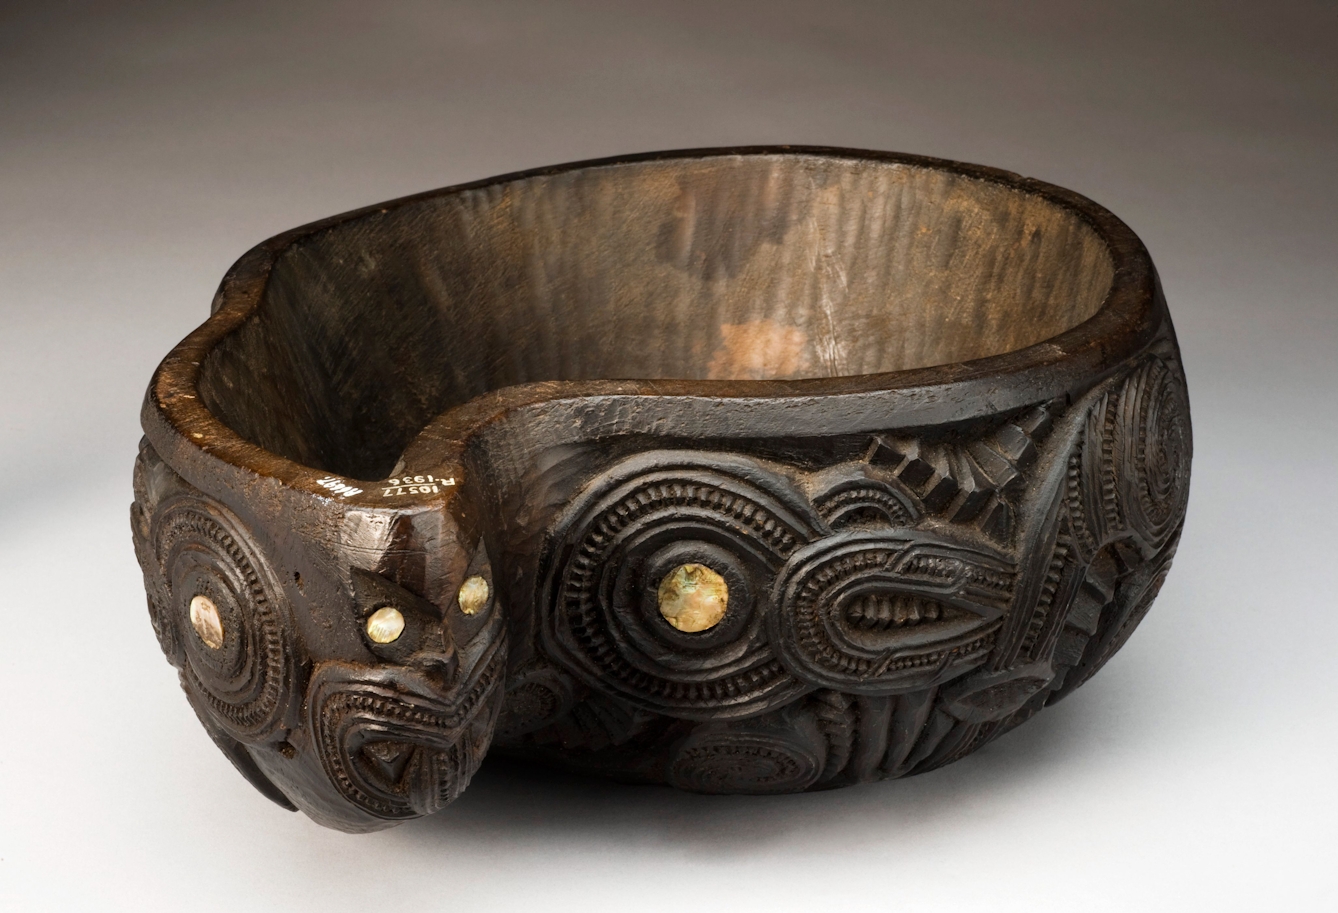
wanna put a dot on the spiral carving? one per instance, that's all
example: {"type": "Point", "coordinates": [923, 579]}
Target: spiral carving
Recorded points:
{"type": "Point", "coordinates": [155, 589]}
{"type": "Point", "coordinates": [1126, 487]}
{"type": "Point", "coordinates": [394, 742]}
{"type": "Point", "coordinates": [246, 680]}
{"type": "Point", "coordinates": [1152, 449]}
{"type": "Point", "coordinates": [646, 517]}
{"type": "Point", "coordinates": [1130, 474]}
{"type": "Point", "coordinates": [778, 754]}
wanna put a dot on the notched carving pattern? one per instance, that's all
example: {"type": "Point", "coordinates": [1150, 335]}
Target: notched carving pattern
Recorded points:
{"type": "Point", "coordinates": [1116, 593]}
{"type": "Point", "coordinates": [246, 683]}
{"type": "Point", "coordinates": [970, 482]}
{"type": "Point", "coordinates": [150, 470]}
{"type": "Point", "coordinates": [880, 620]}
{"type": "Point", "coordinates": [396, 743]}
{"type": "Point", "coordinates": [889, 608]}
{"type": "Point", "coordinates": [155, 588]}
{"type": "Point", "coordinates": [776, 753]}
{"type": "Point", "coordinates": [1153, 449]}
{"type": "Point", "coordinates": [644, 519]}
{"type": "Point", "coordinates": [403, 738]}
{"type": "Point", "coordinates": [878, 613]}
{"type": "Point", "coordinates": [856, 495]}
{"type": "Point", "coordinates": [1124, 495]}
{"type": "Point", "coordinates": [1130, 474]}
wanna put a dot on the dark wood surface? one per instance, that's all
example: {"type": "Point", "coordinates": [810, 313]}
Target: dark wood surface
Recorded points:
{"type": "Point", "coordinates": [926, 421]}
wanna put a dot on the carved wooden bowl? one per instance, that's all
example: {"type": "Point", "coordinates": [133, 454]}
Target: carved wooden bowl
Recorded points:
{"type": "Point", "coordinates": [755, 470]}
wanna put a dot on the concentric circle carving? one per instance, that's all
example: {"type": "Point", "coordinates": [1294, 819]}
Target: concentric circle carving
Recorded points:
{"type": "Point", "coordinates": [1152, 449]}
{"type": "Point", "coordinates": [155, 589]}
{"type": "Point", "coordinates": [245, 678]}
{"type": "Point", "coordinates": [860, 501]}
{"type": "Point", "coordinates": [634, 526]}
{"type": "Point", "coordinates": [1130, 473]}
{"type": "Point", "coordinates": [1125, 493]}
{"type": "Point", "coordinates": [754, 756]}
{"type": "Point", "coordinates": [883, 613]}
{"type": "Point", "coordinates": [394, 743]}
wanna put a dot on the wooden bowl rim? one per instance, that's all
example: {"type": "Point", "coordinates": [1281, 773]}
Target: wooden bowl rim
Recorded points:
{"type": "Point", "coordinates": [200, 445]}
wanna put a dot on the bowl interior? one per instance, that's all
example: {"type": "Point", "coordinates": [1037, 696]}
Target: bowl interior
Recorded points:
{"type": "Point", "coordinates": [761, 266]}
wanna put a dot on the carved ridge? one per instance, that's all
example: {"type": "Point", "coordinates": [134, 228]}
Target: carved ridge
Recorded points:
{"type": "Point", "coordinates": [248, 686]}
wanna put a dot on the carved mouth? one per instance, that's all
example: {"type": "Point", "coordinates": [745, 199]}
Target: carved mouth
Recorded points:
{"type": "Point", "coordinates": [394, 743]}
{"type": "Point", "coordinates": [903, 623]}
{"type": "Point", "coordinates": [880, 613]}
{"type": "Point", "coordinates": [883, 611]}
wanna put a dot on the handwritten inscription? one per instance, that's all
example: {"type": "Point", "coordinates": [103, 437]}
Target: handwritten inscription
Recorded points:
{"type": "Point", "coordinates": [426, 484]}
{"type": "Point", "coordinates": [415, 485]}
{"type": "Point", "coordinates": [338, 486]}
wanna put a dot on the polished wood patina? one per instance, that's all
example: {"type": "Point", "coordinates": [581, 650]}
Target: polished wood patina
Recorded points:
{"type": "Point", "coordinates": [746, 470]}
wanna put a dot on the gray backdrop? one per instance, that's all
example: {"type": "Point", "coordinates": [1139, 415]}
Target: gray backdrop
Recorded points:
{"type": "Point", "coordinates": [143, 149]}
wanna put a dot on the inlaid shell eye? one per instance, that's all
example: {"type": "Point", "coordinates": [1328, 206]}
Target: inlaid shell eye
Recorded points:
{"type": "Point", "coordinates": [473, 596]}
{"type": "Point", "coordinates": [693, 598]}
{"type": "Point", "coordinates": [237, 646]}
{"type": "Point", "coordinates": [204, 618]}
{"type": "Point", "coordinates": [664, 581]}
{"type": "Point", "coordinates": [385, 625]}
